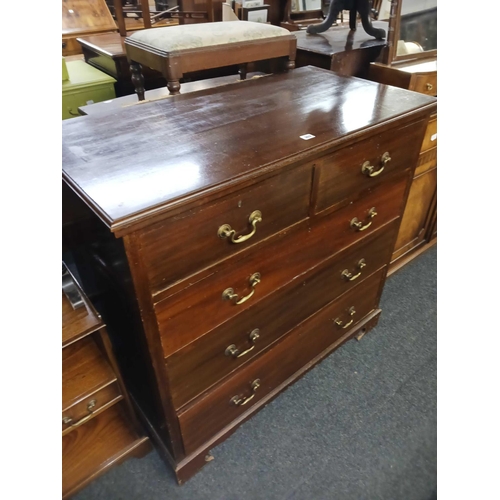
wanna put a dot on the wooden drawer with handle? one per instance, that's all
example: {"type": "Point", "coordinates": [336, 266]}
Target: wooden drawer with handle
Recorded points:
{"type": "Point", "coordinates": [182, 245]}
{"type": "Point", "coordinates": [204, 362]}
{"type": "Point", "coordinates": [343, 175]}
{"type": "Point", "coordinates": [425, 83]}
{"type": "Point", "coordinates": [232, 398]}
{"type": "Point", "coordinates": [89, 384]}
{"type": "Point", "coordinates": [89, 407]}
{"type": "Point", "coordinates": [178, 315]}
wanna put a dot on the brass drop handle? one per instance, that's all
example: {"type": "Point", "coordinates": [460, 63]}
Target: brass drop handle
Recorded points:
{"type": "Point", "coordinates": [359, 226]}
{"type": "Point", "coordinates": [349, 276]}
{"type": "Point", "coordinates": [338, 322]}
{"type": "Point", "coordinates": [90, 409]}
{"type": "Point", "coordinates": [233, 351]}
{"type": "Point", "coordinates": [369, 170]}
{"type": "Point", "coordinates": [225, 231]}
{"type": "Point", "coordinates": [429, 86]}
{"type": "Point", "coordinates": [243, 400]}
{"type": "Point", "coordinates": [228, 293]}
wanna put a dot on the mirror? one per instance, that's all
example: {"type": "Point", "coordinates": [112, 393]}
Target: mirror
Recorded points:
{"type": "Point", "coordinates": [414, 30]}
{"type": "Point", "coordinates": [300, 13]}
{"type": "Point", "coordinates": [305, 5]}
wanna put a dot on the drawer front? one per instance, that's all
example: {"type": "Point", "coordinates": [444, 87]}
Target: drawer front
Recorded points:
{"type": "Point", "coordinates": [237, 395]}
{"type": "Point", "coordinates": [179, 316]}
{"type": "Point", "coordinates": [70, 46]}
{"type": "Point", "coordinates": [85, 409]}
{"type": "Point", "coordinates": [425, 83]}
{"type": "Point", "coordinates": [85, 371]}
{"type": "Point", "coordinates": [430, 136]}
{"type": "Point", "coordinates": [182, 245]}
{"type": "Point", "coordinates": [204, 362]}
{"type": "Point", "coordinates": [342, 176]}
{"type": "Point", "coordinates": [91, 448]}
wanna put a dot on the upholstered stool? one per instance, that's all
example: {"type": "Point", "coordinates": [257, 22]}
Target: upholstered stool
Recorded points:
{"type": "Point", "coordinates": [176, 50]}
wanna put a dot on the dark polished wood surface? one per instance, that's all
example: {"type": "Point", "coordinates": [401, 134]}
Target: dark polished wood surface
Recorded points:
{"type": "Point", "coordinates": [209, 415]}
{"type": "Point", "coordinates": [204, 362]}
{"type": "Point", "coordinates": [339, 39]}
{"type": "Point", "coordinates": [160, 169]}
{"type": "Point", "coordinates": [176, 292]}
{"type": "Point", "coordinates": [339, 49]}
{"type": "Point", "coordinates": [205, 295]}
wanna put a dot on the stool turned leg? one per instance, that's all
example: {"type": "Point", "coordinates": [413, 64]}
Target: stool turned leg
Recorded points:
{"type": "Point", "coordinates": [137, 79]}
{"type": "Point", "coordinates": [242, 71]}
{"type": "Point", "coordinates": [173, 86]}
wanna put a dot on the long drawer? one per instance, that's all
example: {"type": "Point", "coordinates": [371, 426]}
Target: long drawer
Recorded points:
{"type": "Point", "coordinates": [179, 316]}
{"type": "Point", "coordinates": [233, 397]}
{"type": "Point", "coordinates": [204, 362]}
{"type": "Point", "coordinates": [344, 174]}
{"type": "Point", "coordinates": [182, 245]}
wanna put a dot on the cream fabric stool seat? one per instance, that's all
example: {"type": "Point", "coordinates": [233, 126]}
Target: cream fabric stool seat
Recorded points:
{"type": "Point", "coordinates": [176, 50]}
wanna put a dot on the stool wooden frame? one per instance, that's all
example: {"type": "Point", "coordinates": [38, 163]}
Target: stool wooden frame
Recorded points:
{"type": "Point", "coordinates": [173, 65]}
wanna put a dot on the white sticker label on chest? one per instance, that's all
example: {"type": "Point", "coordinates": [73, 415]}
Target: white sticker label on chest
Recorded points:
{"type": "Point", "coordinates": [307, 137]}
{"type": "Point", "coordinates": [434, 137]}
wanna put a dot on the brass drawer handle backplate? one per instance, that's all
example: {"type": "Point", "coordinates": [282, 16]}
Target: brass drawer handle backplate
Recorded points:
{"type": "Point", "coordinates": [349, 276]}
{"type": "Point", "coordinates": [228, 293]}
{"type": "Point", "coordinates": [233, 351]}
{"type": "Point", "coordinates": [359, 226]}
{"type": "Point", "coordinates": [243, 400]}
{"type": "Point", "coordinates": [225, 231]}
{"type": "Point", "coordinates": [90, 409]}
{"type": "Point", "coordinates": [338, 322]}
{"type": "Point", "coordinates": [429, 86]}
{"type": "Point", "coordinates": [369, 170]}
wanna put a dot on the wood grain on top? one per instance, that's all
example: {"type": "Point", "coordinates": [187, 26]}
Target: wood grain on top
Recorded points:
{"type": "Point", "coordinates": [86, 16]}
{"type": "Point", "coordinates": [190, 143]}
{"type": "Point", "coordinates": [339, 39]}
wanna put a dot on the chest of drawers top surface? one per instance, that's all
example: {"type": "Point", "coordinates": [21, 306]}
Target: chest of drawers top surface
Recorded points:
{"type": "Point", "coordinates": [187, 145]}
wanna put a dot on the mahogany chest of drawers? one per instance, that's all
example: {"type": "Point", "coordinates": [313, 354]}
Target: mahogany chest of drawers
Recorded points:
{"type": "Point", "coordinates": [236, 236]}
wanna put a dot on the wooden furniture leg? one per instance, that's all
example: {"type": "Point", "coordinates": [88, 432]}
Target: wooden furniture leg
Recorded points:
{"type": "Point", "coordinates": [137, 79]}
{"type": "Point", "coordinates": [242, 71]}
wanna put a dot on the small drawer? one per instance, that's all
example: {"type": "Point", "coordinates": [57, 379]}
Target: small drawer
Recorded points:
{"type": "Point", "coordinates": [181, 312]}
{"type": "Point", "coordinates": [204, 362]}
{"type": "Point", "coordinates": [430, 137]}
{"type": "Point", "coordinates": [88, 407]}
{"type": "Point", "coordinates": [236, 396]}
{"type": "Point", "coordinates": [86, 376]}
{"type": "Point", "coordinates": [182, 245]}
{"type": "Point", "coordinates": [70, 46]}
{"type": "Point", "coordinates": [425, 83]}
{"type": "Point", "coordinates": [342, 176]}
